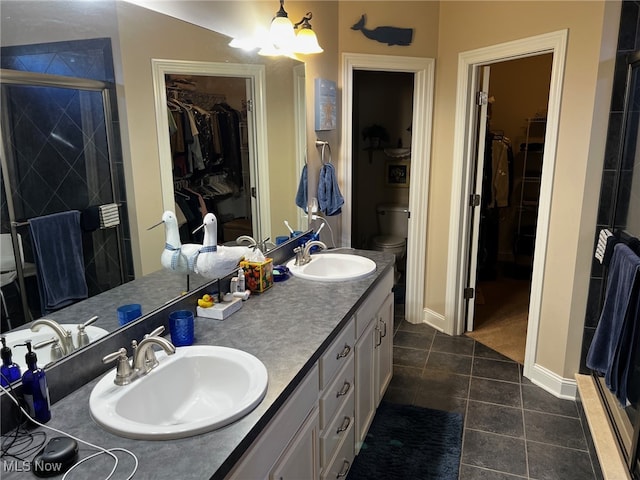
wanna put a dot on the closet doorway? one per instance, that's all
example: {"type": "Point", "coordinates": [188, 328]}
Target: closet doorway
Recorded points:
{"type": "Point", "coordinates": [511, 128]}
{"type": "Point", "coordinates": [230, 177]}
{"type": "Point", "coordinates": [211, 167]}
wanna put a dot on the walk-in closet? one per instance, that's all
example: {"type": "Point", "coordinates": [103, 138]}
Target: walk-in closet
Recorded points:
{"type": "Point", "coordinates": [210, 154]}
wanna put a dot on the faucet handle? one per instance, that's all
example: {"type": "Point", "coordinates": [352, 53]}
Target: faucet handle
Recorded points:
{"type": "Point", "coordinates": [82, 337]}
{"type": "Point", "coordinates": [123, 369]}
{"type": "Point", "coordinates": [56, 349]}
{"type": "Point", "coordinates": [156, 332]}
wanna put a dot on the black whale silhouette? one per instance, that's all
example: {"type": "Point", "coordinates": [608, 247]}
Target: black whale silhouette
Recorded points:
{"type": "Point", "coordinates": [388, 35]}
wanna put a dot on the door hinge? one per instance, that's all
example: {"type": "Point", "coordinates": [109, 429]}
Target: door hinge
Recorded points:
{"type": "Point", "coordinates": [482, 98]}
{"type": "Point", "coordinates": [469, 293]}
{"type": "Point", "coordinates": [249, 105]}
{"type": "Point", "coordinates": [474, 200]}
{"type": "Point", "coordinates": [253, 192]}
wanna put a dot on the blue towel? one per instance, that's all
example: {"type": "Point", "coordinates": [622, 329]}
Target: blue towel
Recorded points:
{"type": "Point", "coordinates": [301, 195]}
{"type": "Point", "coordinates": [609, 346]}
{"type": "Point", "coordinates": [330, 199]}
{"type": "Point", "coordinates": [57, 244]}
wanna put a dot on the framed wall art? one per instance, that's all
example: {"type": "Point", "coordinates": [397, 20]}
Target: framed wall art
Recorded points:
{"type": "Point", "coordinates": [398, 174]}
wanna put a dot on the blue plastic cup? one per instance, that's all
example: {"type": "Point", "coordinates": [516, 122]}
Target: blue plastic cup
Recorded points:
{"type": "Point", "coordinates": [181, 327]}
{"type": "Point", "coordinates": [128, 313]}
{"type": "Point", "coordinates": [280, 239]}
{"type": "Point", "coordinates": [296, 233]}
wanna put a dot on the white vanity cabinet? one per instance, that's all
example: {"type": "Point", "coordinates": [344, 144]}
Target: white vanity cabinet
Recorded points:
{"type": "Point", "coordinates": [317, 433]}
{"type": "Point", "coordinates": [373, 356]}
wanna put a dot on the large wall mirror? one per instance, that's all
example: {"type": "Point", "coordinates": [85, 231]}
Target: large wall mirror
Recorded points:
{"type": "Point", "coordinates": [149, 52]}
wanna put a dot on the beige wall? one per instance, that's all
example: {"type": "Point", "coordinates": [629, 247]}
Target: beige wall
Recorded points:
{"type": "Point", "coordinates": [466, 26]}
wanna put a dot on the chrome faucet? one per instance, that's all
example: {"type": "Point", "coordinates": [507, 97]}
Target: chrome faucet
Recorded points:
{"type": "Point", "coordinates": [142, 361]}
{"type": "Point", "coordinates": [303, 254]}
{"type": "Point", "coordinates": [64, 336]}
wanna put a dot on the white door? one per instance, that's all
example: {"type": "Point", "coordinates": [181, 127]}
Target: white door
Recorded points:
{"type": "Point", "coordinates": [475, 199]}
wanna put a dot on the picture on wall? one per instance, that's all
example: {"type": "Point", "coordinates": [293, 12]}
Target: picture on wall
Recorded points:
{"type": "Point", "coordinates": [325, 104]}
{"type": "Point", "coordinates": [397, 174]}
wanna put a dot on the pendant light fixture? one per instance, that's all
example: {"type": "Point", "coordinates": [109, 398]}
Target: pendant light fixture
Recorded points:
{"type": "Point", "coordinates": [281, 31]}
{"type": "Point", "coordinates": [306, 39]}
{"type": "Point", "coordinates": [282, 39]}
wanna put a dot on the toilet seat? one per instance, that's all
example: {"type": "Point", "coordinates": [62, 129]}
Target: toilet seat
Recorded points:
{"type": "Point", "coordinates": [388, 241]}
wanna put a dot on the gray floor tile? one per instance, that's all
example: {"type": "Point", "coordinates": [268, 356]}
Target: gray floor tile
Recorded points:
{"type": "Point", "coordinates": [444, 343]}
{"type": "Point", "coordinates": [495, 452]}
{"type": "Point", "coordinates": [440, 402]}
{"type": "Point", "coordinates": [413, 327]}
{"type": "Point", "coordinates": [482, 351]}
{"type": "Point", "coordinates": [535, 398]}
{"type": "Point", "coordinates": [495, 391]}
{"type": "Point", "coordinates": [420, 340]}
{"type": "Point", "coordinates": [409, 357]}
{"type": "Point", "coordinates": [496, 370]}
{"type": "Point", "coordinates": [437, 382]}
{"type": "Point", "coordinates": [489, 417]}
{"type": "Point", "coordinates": [405, 377]}
{"type": "Point", "coordinates": [467, 472]}
{"type": "Point", "coordinates": [554, 429]}
{"type": "Point", "coordinates": [404, 396]}
{"type": "Point", "coordinates": [449, 362]}
{"type": "Point", "coordinates": [549, 462]}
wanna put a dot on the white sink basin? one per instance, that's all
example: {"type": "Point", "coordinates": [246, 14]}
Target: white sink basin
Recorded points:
{"type": "Point", "coordinates": [196, 390]}
{"type": "Point", "coordinates": [333, 267]}
{"type": "Point", "coordinates": [44, 354]}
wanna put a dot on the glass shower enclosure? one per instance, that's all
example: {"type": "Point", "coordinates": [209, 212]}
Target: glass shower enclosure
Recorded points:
{"type": "Point", "coordinates": [56, 140]}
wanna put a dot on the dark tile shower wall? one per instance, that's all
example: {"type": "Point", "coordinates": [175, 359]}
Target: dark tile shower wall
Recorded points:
{"type": "Point", "coordinates": [52, 176]}
{"type": "Point", "coordinates": [628, 42]}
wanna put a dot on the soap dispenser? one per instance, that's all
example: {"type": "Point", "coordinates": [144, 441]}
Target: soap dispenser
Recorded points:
{"type": "Point", "coordinates": [35, 388]}
{"type": "Point", "coordinates": [10, 370]}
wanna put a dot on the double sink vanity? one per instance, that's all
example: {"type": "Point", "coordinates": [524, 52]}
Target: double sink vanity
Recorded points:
{"type": "Point", "coordinates": [286, 387]}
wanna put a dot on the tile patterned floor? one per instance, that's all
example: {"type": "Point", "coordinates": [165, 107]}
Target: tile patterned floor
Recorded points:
{"type": "Point", "coordinates": [512, 428]}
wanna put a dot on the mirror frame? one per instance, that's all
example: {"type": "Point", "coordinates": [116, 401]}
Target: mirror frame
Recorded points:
{"type": "Point", "coordinates": [260, 205]}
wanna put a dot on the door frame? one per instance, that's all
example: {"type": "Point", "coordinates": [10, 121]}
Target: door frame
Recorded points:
{"type": "Point", "coordinates": [261, 209]}
{"type": "Point", "coordinates": [469, 64]}
{"type": "Point", "coordinates": [423, 86]}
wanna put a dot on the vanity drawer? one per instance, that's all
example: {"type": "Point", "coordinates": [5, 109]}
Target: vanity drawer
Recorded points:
{"type": "Point", "coordinates": [369, 309]}
{"type": "Point", "coordinates": [340, 351]}
{"type": "Point", "coordinates": [342, 461]}
{"type": "Point", "coordinates": [337, 429]}
{"type": "Point", "coordinates": [335, 395]}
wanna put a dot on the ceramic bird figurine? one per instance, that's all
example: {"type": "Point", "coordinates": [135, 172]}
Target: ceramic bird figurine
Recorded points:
{"type": "Point", "coordinates": [175, 256]}
{"type": "Point", "coordinates": [213, 260]}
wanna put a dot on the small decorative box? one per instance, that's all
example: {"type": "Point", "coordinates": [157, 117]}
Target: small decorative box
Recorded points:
{"type": "Point", "coordinates": [221, 310]}
{"type": "Point", "coordinates": [258, 276]}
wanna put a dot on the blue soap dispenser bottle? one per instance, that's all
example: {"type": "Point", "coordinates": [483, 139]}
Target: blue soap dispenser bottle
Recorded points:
{"type": "Point", "coordinates": [35, 388]}
{"type": "Point", "coordinates": [10, 370]}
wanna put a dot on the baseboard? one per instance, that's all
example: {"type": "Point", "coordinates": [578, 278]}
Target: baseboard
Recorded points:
{"type": "Point", "coordinates": [435, 320]}
{"type": "Point", "coordinates": [553, 383]}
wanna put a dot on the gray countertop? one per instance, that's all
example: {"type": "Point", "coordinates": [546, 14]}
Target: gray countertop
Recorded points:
{"type": "Point", "coordinates": [287, 328]}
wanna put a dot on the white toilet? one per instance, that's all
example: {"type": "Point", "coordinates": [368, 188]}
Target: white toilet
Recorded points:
{"type": "Point", "coordinates": [393, 227]}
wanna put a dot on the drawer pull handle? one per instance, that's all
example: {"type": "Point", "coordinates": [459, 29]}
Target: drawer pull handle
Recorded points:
{"type": "Point", "coordinates": [343, 391]}
{"type": "Point", "coordinates": [345, 351]}
{"type": "Point", "coordinates": [384, 331]}
{"type": "Point", "coordinates": [345, 469]}
{"type": "Point", "coordinates": [345, 424]}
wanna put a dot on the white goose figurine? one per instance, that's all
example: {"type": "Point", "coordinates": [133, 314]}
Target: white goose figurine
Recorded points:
{"type": "Point", "coordinates": [213, 260]}
{"type": "Point", "coordinates": [175, 255]}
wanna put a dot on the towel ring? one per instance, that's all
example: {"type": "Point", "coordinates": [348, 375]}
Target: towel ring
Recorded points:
{"type": "Point", "coordinates": [320, 143]}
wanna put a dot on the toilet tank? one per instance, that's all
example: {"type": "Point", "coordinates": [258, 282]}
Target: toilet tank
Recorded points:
{"type": "Point", "coordinates": [393, 219]}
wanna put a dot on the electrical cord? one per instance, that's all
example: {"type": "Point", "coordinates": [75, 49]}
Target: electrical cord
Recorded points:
{"type": "Point", "coordinates": [96, 447]}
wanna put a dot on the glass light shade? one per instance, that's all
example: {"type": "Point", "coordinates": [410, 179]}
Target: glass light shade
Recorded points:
{"type": "Point", "coordinates": [307, 42]}
{"type": "Point", "coordinates": [281, 33]}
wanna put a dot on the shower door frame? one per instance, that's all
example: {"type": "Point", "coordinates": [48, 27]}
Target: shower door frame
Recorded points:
{"type": "Point", "coordinates": [31, 79]}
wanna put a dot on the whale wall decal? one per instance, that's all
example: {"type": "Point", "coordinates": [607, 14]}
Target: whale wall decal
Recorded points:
{"type": "Point", "coordinates": [385, 34]}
